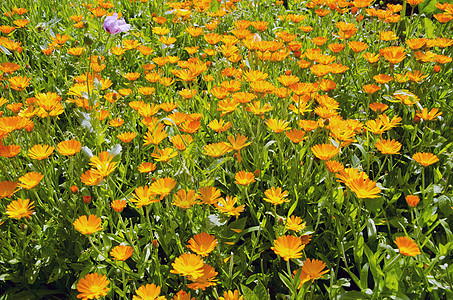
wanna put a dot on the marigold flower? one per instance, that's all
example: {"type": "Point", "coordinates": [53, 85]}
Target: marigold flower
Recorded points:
{"type": "Point", "coordinates": [278, 126]}
{"type": "Point", "coordinates": [288, 246]}
{"type": "Point", "coordinates": [30, 180]}
{"type": "Point", "coordinates": [394, 55]}
{"type": "Point", "coordinates": [407, 246]}
{"type": "Point", "coordinates": [217, 149]}
{"type": "Point", "coordinates": [7, 189]}
{"type": "Point", "coordinates": [276, 195]}
{"type": "Point", "coordinates": [334, 166]}
{"type": "Point", "coordinates": [90, 178]}
{"type": "Point", "coordinates": [204, 281]}
{"type": "Point", "coordinates": [20, 208]}
{"type": "Point", "coordinates": [425, 159]}
{"type": "Point", "coordinates": [227, 206]}
{"type": "Point", "coordinates": [209, 195]}
{"type": "Point", "coordinates": [378, 107]}
{"type": "Point", "coordinates": [163, 186]}
{"type": "Point", "coordinates": [185, 199]}
{"type": "Point", "coordinates": [188, 265]}
{"type": "Point", "coordinates": [19, 83]}
{"type": "Point", "coordinates": [121, 252]}
{"type": "Point", "coordinates": [325, 151]}
{"type": "Point", "coordinates": [388, 146]}
{"type": "Point", "coordinates": [244, 178]}
{"type": "Point", "coordinates": [69, 148]}
{"type": "Point", "coordinates": [118, 205]}
{"type": "Point", "coordinates": [9, 151]}
{"type": "Point", "coordinates": [412, 200]}
{"type": "Point", "coordinates": [295, 223]}
{"type": "Point", "coordinates": [165, 154]}
{"type": "Point", "coordinates": [428, 116]}
{"type": "Point", "coordinates": [230, 295]}
{"type": "Point", "coordinates": [364, 188]}
{"type": "Point", "coordinates": [314, 268]}
{"type": "Point", "coordinates": [40, 152]}
{"type": "Point", "coordinates": [202, 244]}
{"type": "Point", "coordinates": [88, 225]}
{"type": "Point", "coordinates": [382, 78]}
{"type": "Point", "coordinates": [146, 167]}
{"type": "Point", "coordinates": [93, 286]}
{"type": "Point", "coordinates": [148, 292]}
{"type": "Point", "coordinates": [103, 164]}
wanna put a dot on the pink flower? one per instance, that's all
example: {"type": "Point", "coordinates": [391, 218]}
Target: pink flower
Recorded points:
{"type": "Point", "coordinates": [114, 25]}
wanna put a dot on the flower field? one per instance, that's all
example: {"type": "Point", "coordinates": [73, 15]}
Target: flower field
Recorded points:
{"type": "Point", "coordinates": [226, 149]}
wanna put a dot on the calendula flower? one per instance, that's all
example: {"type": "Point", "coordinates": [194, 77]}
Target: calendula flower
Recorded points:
{"type": "Point", "coordinates": [314, 268]}
{"type": "Point", "coordinates": [165, 154]}
{"type": "Point", "coordinates": [103, 164]}
{"type": "Point", "coordinates": [93, 286]}
{"type": "Point", "coordinates": [148, 292]}
{"type": "Point", "coordinates": [185, 199]}
{"type": "Point", "coordinates": [7, 189]}
{"type": "Point", "coordinates": [188, 265]}
{"type": "Point", "coordinates": [40, 152]}
{"type": "Point", "coordinates": [30, 180]}
{"type": "Point", "coordinates": [278, 126]}
{"type": "Point", "coordinates": [388, 146]}
{"type": "Point", "coordinates": [288, 246]}
{"type": "Point", "coordinates": [425, 159]}
{"type": "Point", "coordinates": [202, 244]}
{"type": "Point", "coordinates": [88, 225]}
{"type": "Point", "coordinates": [325, 151]}
{"type": "Point", "coordinates": [275, 195]}
{"type": "Point", "coordinates": [228, 206]}
{"type": "Point", "coordinates": [204, 281]}
{"type": "Point", "coordinates": [428, 116]}
{"type": "Point", "coordinates": [231, 295]}
{"type": "Point", "coordinates": [143, 196]}
{"type": "Point", "coordinates": [163, 186]}
{"type": "Point", "coordinates": [216, 149]}
{"type": "Point", "coordinates": [121, 252]}
{"type": "Point", "coordinates": [69, 148]}
{"type": "Point", "coordinates": [20, 208]}
{"type": "Point", "coordinates": [295, 223]}
{"type": "Point", "coordinates": [146, 167]}
{"type": "Point", "coordinates": [364, 188]}
{"type": "Point", "coordinates": [407, 246]}
{"type": "Point", "coordinates": [118, 205]}
{"type": "Point", "coordinates": [334, 166]}
{"type": "Point", "coordinates": [209, 195]}
{"type": "Point", "coordinates": [244, 178]}
{"type": "Point", "coordinates": [412, 200]}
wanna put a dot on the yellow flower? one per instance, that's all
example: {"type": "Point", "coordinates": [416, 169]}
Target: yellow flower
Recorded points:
{"type": "Point", "coordinates": [40, 152]}
{"type": "Point", "coordinates": [148, 292]}
{"type": "Point", "coordinates": [227, 206]}
{"type": "Point", "coordinates": [230, 295]}
{"type": "Point", "coordinates": [388, 146]}
{"type": "Point", "coordinates": [121, 252]}
{"type": "Point", "coordinates": [7, 189]}
{"type": "Point", "coordinates": [209, 195]}
{"type": "Point", "coordinates": [93, 286]}
{"type": "Point", "coordinates": [314, 268]}
{"type": "Point", "coordinates": [364, 188]}
{"type": "Point", "coordinates": [88, 225]}
{"type": "Point", "coordinates": [30, 180]}
{"type": "Point", "coordinates": [244, 178]}
{"type": "Point", "coordinates": [202, 244]}
{"type": "Point", "coordinates": [288, 246]}
{"type": "Point", "coordinates": [185, 199]}
{"type": "Point", "coordinates": [143, 196]}
{"type": "Point", "coordinates": [295, 223]}
{"type": "Point", "coordinates": [165, 154]}
{"type": "Point", "coordinates": [188, 265]}
{"type": "Point", "coordinates": [425, 159]}
{"type": "Point", "coordinates": [278, 126]}
{"type": "Point", "coordinates": [407, 246]}
{"type": "Point", "coordinates": [325, 151]}
{"type": "Point", "coordinates": [20, 208]}
{"type": "Point", "coordinates": [68, 148]}
{"type": "Point", "coordinates": [428, 116]}
{"type": "Point", "coordinates": [118, 205]}
{"type": "Point", "coordinates": [216, 149]}
{"type": "Point", "coordinates": [103, 164]}
{"type": "Point", "coordinates": [163, 186]}
{"type": "Point", "coordinates": [204, 281]}
{"type": "Point", "coordinates": [275, 195]}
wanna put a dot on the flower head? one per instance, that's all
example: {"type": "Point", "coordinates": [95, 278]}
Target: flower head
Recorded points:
{"type": "Point", "coordinates": [68, 148]}
{"type": "Point", "coordinates": [288, 246]}
{"type": "Point", "coordinates": [113, 25]}
{"type": "Point", "coordinates": [407, 246]}
{"type": "Point", "coordinates": [325, 151]}
{"type": "Point", "coordinates": [231, 295]}
{"type": "Point", "coordinates": [40, 152]}
{"type": "Point", "coordinates": [7, 189]}
{"type": "Point", "coordinates": [244, 178]}
{"type": "Point", "coordinates": [148, 292]}
{"type": "Point", "coordinates": [93, 286]}
{"type": "Point", "coordinates": [412, 200]}
{"type": "Point", "coordinates": [88, 225]}
{"type": "Point", "coordinates": [20, 208]}
{"type": "Point", "coordinates": [275, 195]}
{"type": "Point", "coordinates": [118, 205]}
{"type": "Point", "coordinates": [425, 159]}
{"type": "Point", "coordinates": [388, 146]}
{"type": "Point", "coordinates": [188, 265]}
{"type": "Point", "coordinates": [295, 223]}
{"type": "Point", "coordinates": [202, 244]}
{"type": "Point", "coordinates": [314, 268]}
{"type": "Point", "coordinates": [204, 281]}
{"type": "Point", "coordinates": [121, 252]}
{"type": "Point", "coordinates": [30, 180]}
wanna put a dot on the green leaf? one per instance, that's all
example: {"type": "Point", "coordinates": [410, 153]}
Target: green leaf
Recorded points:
{"type": "Point", "coordinates": [391, 279]}
{"type": "Point", "coordinates": [261, 291]}
{"type": "Point", "coordinates": [352, 295]}
{"type": "Point", "coordinates": [248, 293]}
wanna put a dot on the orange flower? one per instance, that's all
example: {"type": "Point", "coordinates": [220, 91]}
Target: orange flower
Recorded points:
{"type": "Point", "coordinates": [164, 155]}
{"type": "Point", "coordinates": [428, 116]}
{"type": "Point", "coordinates": [357, 46]}
{"type": "Point", "coordinates": [20, 208]}
{"type": "Point", "coordinates": [7, 189]}
{"type": "Point", "coordinates": [148, 292]}
{"type": "Point", "coordinates": [364, 188]}
{"type": "Point", "coordinates": [19, 83]}
{"type": "Point", "coordinates": [378, 107]}
{"type": "Point", "coordinates": [185, 199]}
{"type": "Point", "coordinates": [244, 178]}
{"type": "Point", "coordinates": [202, 244]}
{"type": "Point", "coordinates": [296, 136]}
{"type": "Point", "coordinates": [118, 205]}
{"type": "Point", "coordinates": [227, 206]}
{"type": "Point", "coordinates": [425, 159]}
{"type": "Point", "coordinates": [334, 166]}
{"type": "Point", "coordinates": [204, 281]}
{"type": "Point", "coordinates": [275, 195]}
{"type": "Point", "coordinates": [412, 200]}
{"type": "Point", "coordinates": [103, 164]}
{"type": "Point", "coordinates": [69, 148]}
{"type": "Point", "coordinates": [9, 151]}
{"type": "Point", "coordinates": [121, 252]}
{"type": "Point", "coordinates": [188, 265]}
{"type": "Point", "coordinates": [294, 223]}
{"type": "Point", "coordinates": [40, 152]}
{"type": "Point", "coordinates": [93, 286]}
{"type": "Point", "coordinates": [209, 195]}
{"type": "Point", "coordinates": [126, 137]}
{"type": "Point", "coordinates": [288, 246]}
{"type": "Point", "coordinates": [278, 126]}
{"type": "Point", "coordinates": [88, 225]}
{"type": "Point", "coordinates": [163, 186]}
{"type": "Point", "coordinates": [382, 78]}
{"type": "Point", "coordinates": [230, 295]}
{"type": "Point", "coordinates": [394, 54]}
{"type": "Point", "coordinates": [90, 178]}
{"type": "Point", "coordinates": [216, 149]}
{"type": "Point", "coordinates": [143, 196]}
{"type": "Point", "coordinates": [325, 151]}
{"type": "Point", "coordinates": [146, 167]}
{"type": "Point", "coordinates": [407, 246]}
{"type": "Point", "coordinates": [314, 268]}
{"type": "Point", "coordinates": [388, 146]}
{"type": "Point", "coordinates": [30, 180]}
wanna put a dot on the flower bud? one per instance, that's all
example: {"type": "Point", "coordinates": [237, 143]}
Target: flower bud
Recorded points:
{"type": "Point", "coordinates": [86, 199]}
{"type": "Point", "coordinates": [437, 69]}
{"type": "Point", "coordinates": [87, 40]}
{"type": "Point", "coordinates": [74, 189]}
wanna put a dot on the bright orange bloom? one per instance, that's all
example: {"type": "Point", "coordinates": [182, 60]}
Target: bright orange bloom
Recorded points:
{"type": "Point", "coordinates": [148, 292]}
{"type": "Point", "coordinates": [358, 46]}
{"type": "Point", "coordinates": [227, 206]}
{"type": "Point", "coordinates": [407, 246]}
{"type": "Point", "coordinates": [412, 200]}
{"type": "Point", "coordinates": [388, 146]}
{"type": "Point", "coordinates": [7, 189]}
{"type": "Point", "coordinates": [425, 159]}
{"type": "Point", "coordinates": [90, 178]}
{"type": "Point", "coordinates": [88, 225]}
{"type": "Point", "coordinates": [394, 54]}
{"type": "Point", "coordinates": [364, 188]}
{"type": "Point", "coordinates": [118, 205]}
{"type": "Point", "coordinates": [146, 167]}
{"type": "Point", "coordinates": [163, 186]}
{"type": "Point", "coordinates": [334, 166]}
{"type": "Point", "coordinates": [19, 83]}
{"type": "Point", "coordinates": [69, 147]}
{"type": "Point", "coordinates": [40, 152]}
{"type": "Point", "coordinates": [217, 149]}
{"type": "Point", "coordinates": [278, 126]}
{"type": "Point", "coordinates": [230, 295]}
{"type": "Point", "coordinates": [121, 252]}
{"type": "Point", "coordinates": [314, 268]}
{"type": "Point", "coordinates": [204, 281]}
{"type": "Point", "coordinates": [144, 196]}
{"type": "Point", "coordinates": [428, 116]}
{"type": "Point", "coordinates": [325, 151]}
{"type": "Point", "coordinates": [20, 208]}
{"type": "Point", "coordinates": [30, 180]}
{"type": "Point", "coordinates": [288, 246]}
{"type": "Point", "coordinates": [103, 164]}
{"type": "Point", "coordinates": [378, 107]}
{"type": "Point", "coordinates": [276, 195]}
{"type": "Point", "coordinates": [209, 195]}
{"type": "Point", "coordinates": [126, 137]}
{"type": "Point", "coordinates": [244, 178]}
{"type": "Point", "coordinates": [155, 136]}
{"type": "Point", "coordinates": [294, 223]}
{"type": "Point", "coordinates": [93, 286]}
{"type": "Point", "coordinates": [164, 155]}
{"type": "Point", "coordinates": [202, 244]}
{"type": "Point", "coordinates": [188, 265]}
{"type": "Point", "coordinates": [9, 151]}
{"type": "Point", "coordinates": [185, 199]}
